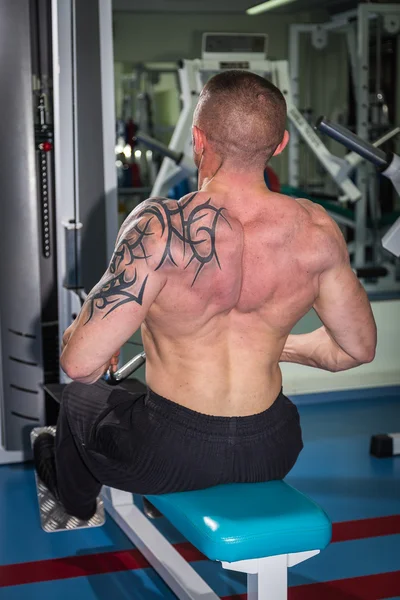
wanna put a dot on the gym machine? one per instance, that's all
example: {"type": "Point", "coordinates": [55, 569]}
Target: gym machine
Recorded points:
{"type": "Point", "coordinates": [387, 444]}
{"type": "Point", "coordinates": [58, 182]}
{"type": "Point", "coordinates": [357, 28]}
{"type": "Point", "coordinates": [387, 164]}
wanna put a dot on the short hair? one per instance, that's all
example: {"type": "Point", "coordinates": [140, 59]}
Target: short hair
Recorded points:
{"type": "Point", "coordinates": [243, 116]}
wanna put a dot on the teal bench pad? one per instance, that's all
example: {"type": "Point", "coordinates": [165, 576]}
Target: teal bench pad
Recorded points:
{"type": "Point", "coordinates": [247, 521]}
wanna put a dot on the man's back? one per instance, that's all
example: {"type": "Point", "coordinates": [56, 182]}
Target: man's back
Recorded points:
{"type": "Point", "coordinates": [216, 281]}
{"type": "Point", "coordinates": [241, 273]}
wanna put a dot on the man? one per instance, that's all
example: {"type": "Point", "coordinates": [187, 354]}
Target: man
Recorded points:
{"type": "Point", "coordinates": [216, 281]}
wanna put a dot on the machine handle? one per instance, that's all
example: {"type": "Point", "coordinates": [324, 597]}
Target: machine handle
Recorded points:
{"type": "Point", "coordinates": [354, 143]}
{"type": "Point", "coordinates": [159, 147]}
{"type": "Point", "coordinates": [130, 367]}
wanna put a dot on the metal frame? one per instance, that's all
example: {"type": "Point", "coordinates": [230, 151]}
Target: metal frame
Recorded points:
{"type": "Point", "coordinates": [6, 456]}
{"type": "Point", "coordinates": [170, 173]}
{"type": "Point", "coordinates": [22, 266]}
{"type": "Point", "coordinates": [70, 187]}
{"type": "Point", "coordinates": [337, 168]}
{"type": "Point", "coordinates": [339, 23]}
{"type": "Point", "coordinates": [66, 164]}
{"type": "Point", "coordinates": [355, 25]}
{"type": "Point", "coordinates": [67, 176]}
{"type": "Point", "coordinates": [108, 125]}
{"type": "Point", "coordinates": [364, 14]}
{"type": "Point", "coordinates": [266, 577]}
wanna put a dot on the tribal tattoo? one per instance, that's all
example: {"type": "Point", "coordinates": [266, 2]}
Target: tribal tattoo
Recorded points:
{"type": "Point", "coordinates": [178, 233]}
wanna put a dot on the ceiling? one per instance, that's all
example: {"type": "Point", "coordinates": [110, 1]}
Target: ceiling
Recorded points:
{"type": "Point", "coordinates": [228, 6]}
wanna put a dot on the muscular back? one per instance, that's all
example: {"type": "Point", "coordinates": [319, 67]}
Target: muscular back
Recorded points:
{"type": "Point", "coordinates": [237, 280]}
{"type": "Point", "coordinates": [217, 281]}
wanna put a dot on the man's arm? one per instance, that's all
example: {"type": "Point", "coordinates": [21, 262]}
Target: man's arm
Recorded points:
{"type": "Point", "coordinates": [118, 304]}
{"type": "Point", "coordinates": [348, 337]}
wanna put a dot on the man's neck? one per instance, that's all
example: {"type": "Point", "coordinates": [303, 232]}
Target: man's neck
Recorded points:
{"type": "Point", "coordinates": [215, 178]}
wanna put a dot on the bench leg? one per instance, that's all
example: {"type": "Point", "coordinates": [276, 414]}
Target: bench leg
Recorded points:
{"type": "Point", "coordinates": [177, 573]}
{"type": "Point", "coordinates": [270, 581]}
{"type": "Point", "coordinates": [267, 577]}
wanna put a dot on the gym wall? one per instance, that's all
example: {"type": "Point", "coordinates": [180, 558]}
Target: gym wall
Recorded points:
{"type": "Point", "coordinates": [141, 37]}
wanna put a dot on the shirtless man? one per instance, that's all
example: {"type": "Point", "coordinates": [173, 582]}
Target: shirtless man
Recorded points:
{"type": "Point", "coordinates": [216, 281]}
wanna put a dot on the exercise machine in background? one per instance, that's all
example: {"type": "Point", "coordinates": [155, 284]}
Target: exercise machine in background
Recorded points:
{"type": "Point", "coordinates": [386, 444]}
{"type": "Point", "coordinates": [368, 35]}
{"type": "Point", "coordinates": [388, 166]}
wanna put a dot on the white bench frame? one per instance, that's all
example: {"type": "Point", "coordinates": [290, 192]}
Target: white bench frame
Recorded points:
{"type": "Point", "coordinates": [266, 577]}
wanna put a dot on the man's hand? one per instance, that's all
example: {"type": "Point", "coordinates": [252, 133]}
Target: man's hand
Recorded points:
{"type": "Point", "coordinates": [113, 366]}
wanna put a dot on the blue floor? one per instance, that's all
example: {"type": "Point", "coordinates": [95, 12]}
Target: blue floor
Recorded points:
{"type": "Point", "coordinates": [335, 469]}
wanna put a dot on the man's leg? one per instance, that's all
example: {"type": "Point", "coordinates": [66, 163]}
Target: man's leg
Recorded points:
{"type": "Point", "coordinates": [60, 464]}
{"type": "Point", "coordinates": [77, 487]}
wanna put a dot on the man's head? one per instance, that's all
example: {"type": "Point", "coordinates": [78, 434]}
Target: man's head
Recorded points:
{"type": "Point", "coordinates": [240, 118]}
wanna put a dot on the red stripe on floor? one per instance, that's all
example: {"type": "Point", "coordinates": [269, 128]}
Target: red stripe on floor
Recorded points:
{"type": "Point", "coordinates": [368, 587]}
{"type": "Point", "coordinates": [127, 560]}
{"type": "Point", "coordinates": [365, 528]}
{"type": "Point", "coordinates": [84, 565]}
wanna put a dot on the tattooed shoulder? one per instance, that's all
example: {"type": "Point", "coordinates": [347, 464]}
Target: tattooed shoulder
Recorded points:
{"type": "Point", "coordinates": [159, 233]}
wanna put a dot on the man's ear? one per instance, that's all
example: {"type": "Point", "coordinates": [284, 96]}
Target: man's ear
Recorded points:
{"type": "Point", "coordinates": [198, 140]}
{"type": "Point", "coordinates": [283, 144]}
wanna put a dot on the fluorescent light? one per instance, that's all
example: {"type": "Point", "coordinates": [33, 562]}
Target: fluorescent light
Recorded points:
{"type": "Point", "coordinates": [260, 8]}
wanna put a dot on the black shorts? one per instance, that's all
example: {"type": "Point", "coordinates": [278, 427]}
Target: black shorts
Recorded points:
{"type": "Point", "coordinates": [146, 444]}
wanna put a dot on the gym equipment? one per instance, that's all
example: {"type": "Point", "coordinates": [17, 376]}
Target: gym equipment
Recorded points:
{"type": "Point", "coordinates": [282, 528]}
{"type": "Point", "coordinates": [387, 164]}
{"type": "Point", "coordinates": [357, 26]}
{"type": "Point", "coordinates": [126, 370]}
{"type": "Point", "coordinates": [388, 444]}
{"type": "Point", "coordinates": [58, 176]}
{"type": "Point", "coordinates": [385, 445]}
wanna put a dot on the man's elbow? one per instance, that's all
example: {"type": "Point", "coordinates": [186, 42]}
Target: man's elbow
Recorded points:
{"type": "Point", "coordinates": [73, 370]}
{"type": "Point", "coordinates": [366, 354]}
{"type": "Point", "coordinates": [369, 355]}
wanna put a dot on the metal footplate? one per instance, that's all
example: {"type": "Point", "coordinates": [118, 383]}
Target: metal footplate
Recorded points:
{"type": "Point", "coordinates": [52, 514]}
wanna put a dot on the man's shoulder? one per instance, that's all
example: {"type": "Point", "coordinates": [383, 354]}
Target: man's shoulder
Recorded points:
{"type": "Point", "coordinates": [323, 236]}
{"type": "Point", "coordinates": [319, 218]}
{"type": "Point", "coordinates": [318, 214]}
{"type": "Point", "coordinates": [148, 217]}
